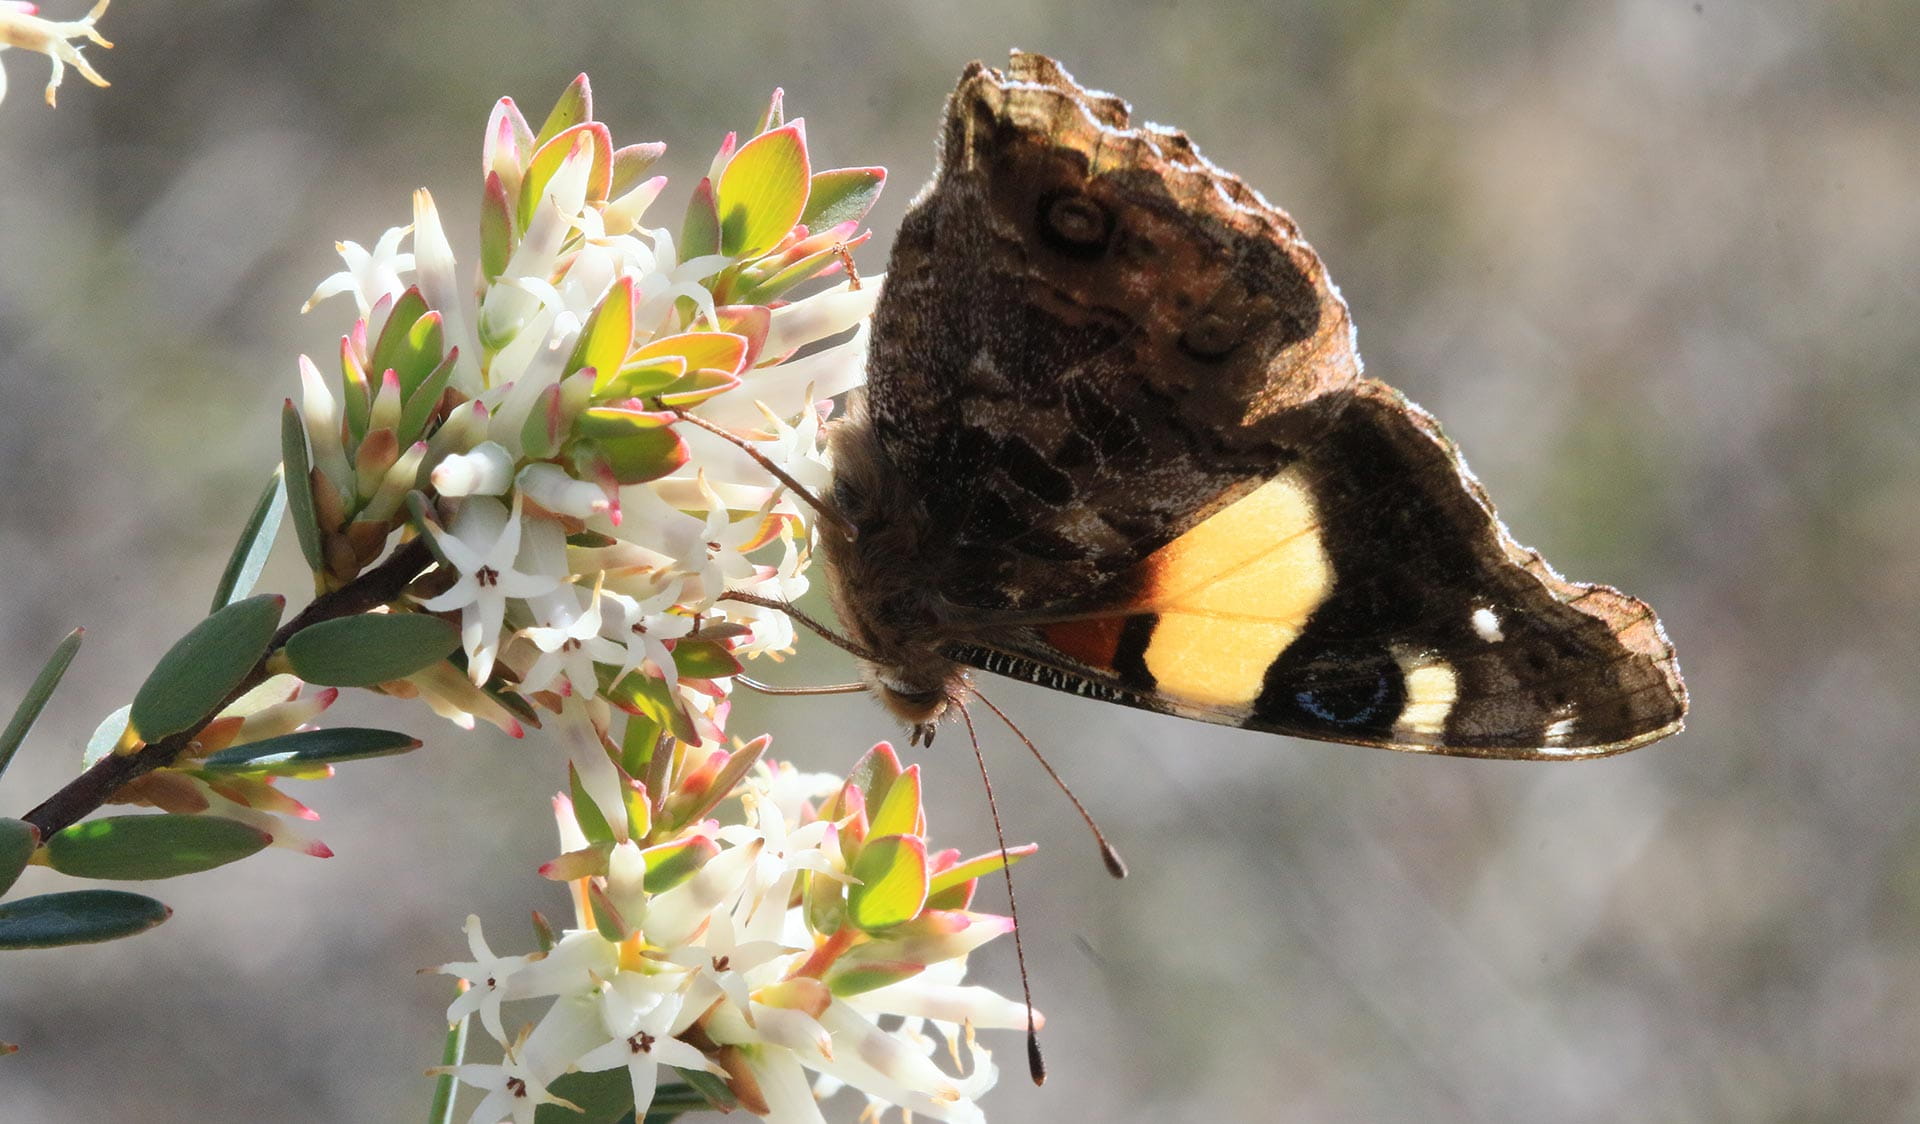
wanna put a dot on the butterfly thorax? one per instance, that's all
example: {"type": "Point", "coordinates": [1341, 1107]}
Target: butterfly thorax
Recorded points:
{"type": "Point", "coordinates": [886, 606]}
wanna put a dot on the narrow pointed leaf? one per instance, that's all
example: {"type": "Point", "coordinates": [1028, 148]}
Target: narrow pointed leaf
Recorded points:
{"type": "Point", "coordinates": [445, 1086]}
{"type": "Point", "coordinates": [297, 470]}
{"type": "Point", "coordinates": [402, 342]}
{"type": "Point", "coordinates": [37, 695]}
{"type": "Point", "coordinates": [575, 105]}
{"type": "Point", "coordinates": [146, 847]}
{"type": "Point", "coordinates": [424, 399]}
{"type": "Point", "coordinates": [554, 152]}
{"type": "Point", "coordinates": [300, 751]}
{"type": "Point", "coordinates": [255, 543]}
{"type": "Point", "coordinates": [700, 230]}
{"type": "Point", "coordinates": [497, 233]}
{"type": "Point", "coordinates": [978, 866]}
{"type": "Point", "coordinates": [608, 334]}
{"type": "Point", "coordinates": [898, 813]}
{"type": "Point", "coordinates": [18, 841]}
{"type": "Point", "coordinates": [77, 917]}
{"type": "Point", "coordinates": [369, 648]}
{"type": "Point", "coordinates": [204, 667]}
{"type": "Point", "coordinates": [630, 164]}
{"type": "Point", "coordinates": [841, 195]}
{"type": "Point", "coordinates": [763, 191]}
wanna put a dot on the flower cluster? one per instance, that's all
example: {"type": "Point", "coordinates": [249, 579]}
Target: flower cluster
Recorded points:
{"type": "Point", "coordinates": [584, 442]}
{"type": "Point", "coordinates": [21, 26]}
{"type": "Point", "coordinates": [738, 958]}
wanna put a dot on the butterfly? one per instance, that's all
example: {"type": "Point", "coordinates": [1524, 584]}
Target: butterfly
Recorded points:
{"type": "Point", "coordinates": [1115, 440]}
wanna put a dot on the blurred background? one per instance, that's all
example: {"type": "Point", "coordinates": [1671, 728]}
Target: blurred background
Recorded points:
{"type": "Point", "coordinates": [1655, 263]}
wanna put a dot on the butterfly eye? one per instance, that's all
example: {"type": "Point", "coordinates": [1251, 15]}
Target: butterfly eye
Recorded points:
{"type": "Point", "coordinates": [1075, 224]}
{"type": "Point", "coordinates": [849, 500]}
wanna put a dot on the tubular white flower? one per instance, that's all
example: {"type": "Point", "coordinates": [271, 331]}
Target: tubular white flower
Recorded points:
{"type": "Point", "coordinates": [369, 276]}
{"type": "Point", "coordinates": [549, 486]}
{"type": "Point", "coordinates": [439, 285]}
{"type": "Point", "coordinates": [484, 470]}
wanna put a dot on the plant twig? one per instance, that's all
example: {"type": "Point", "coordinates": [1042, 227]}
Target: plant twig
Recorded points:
{"type": "Point", "coordinates": [88, 791]}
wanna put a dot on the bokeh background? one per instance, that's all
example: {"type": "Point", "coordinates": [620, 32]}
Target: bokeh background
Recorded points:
{"type": "Point", "coordinates": [1656, 264]}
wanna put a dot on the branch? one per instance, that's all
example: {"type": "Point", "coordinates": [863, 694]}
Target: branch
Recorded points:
{"type": "Point", "coordinates": [88, 791]}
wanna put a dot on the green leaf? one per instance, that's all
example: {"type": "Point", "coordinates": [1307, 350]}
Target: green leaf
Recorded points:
{"type": "Point", "coordinates": [204, 667]}
{"type": "Point", "coordinates": [892, 870]}
{"type": "Point", "coordinates": [575, 105]}
{"type": "Point", "coordinates": [841, 195]}
{"type": "Point", "coordinates": [77, 917]}
{"type": "Point", "coordinates": [640, 693]}
{"type": "Point", "coordinates": [704, 659]}
{"type": "Point", "coordinates": [898, 812]}
{"type": "Point", "coordinates": [635, 445]}
{"type": "Point", "coordinates": [497, 234]}
{"type": "Point", "coordinates": [700, 230]}
{"type": "Point", "coordinates": [873, 774]}
{"type": "Point", "coordinates": [608, 335]}
{"type": "Point", "coordinates": [298, 471]}
{"type": "Point", "coordinates": [256, 542]}
{"type": "Point", "coordinates": [586, 812]}
{"type": "Point", "coordinates": [763, 191]}
{"type": "Point", "coordinates": [603, 1097]}
{"type": "Point", "coordinates": [630, 164]}
{"type": "Point", "coordinates": [411, 342]}
{"type": "Point", "coordinates": [18, 841]}
{"type": "Point", "coordinates": [299, 751]}
{"type": "Point", "coordinates": [369, 648]}
{"type": "Point", "coordinates": [145, 847]}
{"type": "Point", "coordinates": [37, 695]}
{"type": "Point", "coordinates": [445, 1086]}
{"type": "Point", "coordinates": [425, 399]}
{"type": "Point", "coordinates": [978, 866]}
{"type": "Point", "coordinates": [553, 153]}
{"type": "Point", "coordinates": [670, 864]}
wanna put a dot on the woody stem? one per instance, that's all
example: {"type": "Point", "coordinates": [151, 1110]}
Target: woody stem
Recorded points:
{"type": "Point", "coordinates": [88, 791]}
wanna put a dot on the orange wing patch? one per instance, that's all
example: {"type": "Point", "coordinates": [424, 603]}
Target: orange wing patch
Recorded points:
{"type": "Point", "coordinates": [1232, 593]}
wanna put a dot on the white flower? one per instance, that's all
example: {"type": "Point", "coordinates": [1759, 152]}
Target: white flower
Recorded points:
{"type": "Point", "coordinates": [513, 1091]}
{"type": "Point", "coordinates": [644, 627]}
{"type": "Point", "coordinates": [370, 275]}
{"type": "Point", "coordinates": [19, 27]}
{"type": "Point", "coordinates": [642, 1025]}
{"type": "Point", "coordinates": [484, 546]}
{"type": "Point", "coordinates": [487, 976]}
{"type": "Point", "coordinates": [569, 649]}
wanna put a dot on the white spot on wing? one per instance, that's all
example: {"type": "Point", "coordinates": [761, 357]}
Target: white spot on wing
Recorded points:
{"type": "Point", "coordinates": [1486, 624]}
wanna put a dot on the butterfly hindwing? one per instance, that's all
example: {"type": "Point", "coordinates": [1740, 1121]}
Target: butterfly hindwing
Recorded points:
{"type": "Point", "coordinates": [1369, 594]}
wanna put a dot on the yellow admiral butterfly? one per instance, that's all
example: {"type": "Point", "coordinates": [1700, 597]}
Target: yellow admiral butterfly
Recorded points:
{"type": "Point", "coordinates": [1116, 441]}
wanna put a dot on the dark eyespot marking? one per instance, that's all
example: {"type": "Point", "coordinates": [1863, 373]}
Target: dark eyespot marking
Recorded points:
{"type": "Point", "coordinates": [1352, 691]}
{"type": "Point", "coordinates": [1074, 224]}
{"type": "Point", "coordinates": [1358, 703]}
{"type": "Point", "coordinates": [1211, 337]}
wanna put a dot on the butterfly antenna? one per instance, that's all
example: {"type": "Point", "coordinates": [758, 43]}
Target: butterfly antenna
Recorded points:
{"type": "Point", "coordinates": [1110, 855]}
{"type": "Point", "coordinates": [1036, 1065]}
{"type": "Point", "coordinates": [827, 634]}
{"type": "Point", "coordinates": [826, 510]}
{"type": "Point", "coordinates": [770, 689]}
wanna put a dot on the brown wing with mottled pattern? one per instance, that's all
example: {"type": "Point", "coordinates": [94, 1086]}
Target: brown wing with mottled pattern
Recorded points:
{"type": "Point", "coordinates": [1090, 338]}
